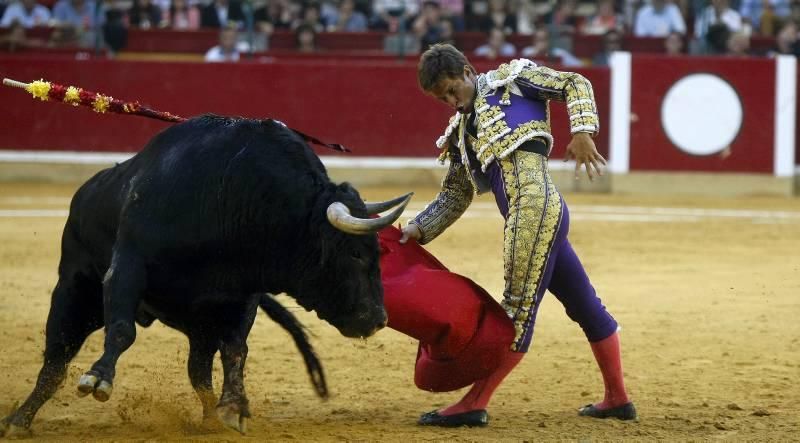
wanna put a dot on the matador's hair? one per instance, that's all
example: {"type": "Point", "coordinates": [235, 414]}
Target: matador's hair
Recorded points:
{"type": "Point", "coordinates": [440, 61]}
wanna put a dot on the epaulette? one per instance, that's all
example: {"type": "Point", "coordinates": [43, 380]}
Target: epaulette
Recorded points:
{"type": "Point", "coordinates": [505, 74]}
{"type": "Point", "coordinates": [451, 126]}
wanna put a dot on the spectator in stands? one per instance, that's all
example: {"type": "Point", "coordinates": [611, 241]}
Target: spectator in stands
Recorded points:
{"type": "Point", "coordinates": [221, 14]}
{"type": "Point", "coordinates": [305, 39]}
{"type": "Point", "coordinates": [717, 39]}
{"type": "Point", "coordinates": [80, 15]}
{"type": "Point", "coordinates": [762, 15]}
{"type": "Point", "coordinates": [276, 14]}
{"type": "Point", "coordinates": [453, 11]}
{"type": "Point", "coordinates": [144, 14]}
{"type": "Point", "coordinates": [348, 18]}
{"type": "Point", "coordinates": [448, 30]}
{"type": "Point", "coordinates": [310, 15]}
{"type": "Point", "coordinates": [629, 10]}
{"type": "Point", "coordinates": [27, 13]}
{"type": "Point", "coordinates": [786, 42]}
{"type": "Point", "coordinates": [63, 36]}
{"type": "Point", "coordinates": [499, 16]}
{"type": "Point", "coordinates": [16, 39]}
{"type": "Point", "coordinates": [604, 20]}
{"type": "Point", "coordinates": [390, 15]}
{"type": "Point", "coordinates": [542, 49]}
{"type": "Point", "coordinates": [115, 29]}
{"type": "Point", "coordinates": [563, 20]}
{"type": "Point", "coordinates": [427, 25]}
{"type": "Point", "coordinates": [612, 42]}
{"type": "Point", "coordinates": [738, 44]}
{"type": "Point", "coordinates": [658, 19]}
{"type": "Point", "coordinates": [497, 46]}
{"type": "Point", "coordinates": [328, 10]}
{"type": "Point", "coordinates": [183, 16]}
{"type": "Point", "coordinates": [229, 47]}
{"type": "Point", "coordinates": [476, 13]}
{"type": "Point", "coordinates": [719, 11]}
{"type": "Point", "coordinates": [674, 44]}
{"type": "Point", "coordinates": [794, 15]}
{"type": "Point", "coordinates": [526, 16]}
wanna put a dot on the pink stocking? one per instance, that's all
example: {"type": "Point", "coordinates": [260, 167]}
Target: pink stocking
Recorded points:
{"type": "Point", "coordinates": [607, 354]}
{"type": "Point", "coordinates": [481, 392]}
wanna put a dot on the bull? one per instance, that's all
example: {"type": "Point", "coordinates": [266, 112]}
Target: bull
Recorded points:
{"type": "Point", "coordinates": [194, 231]}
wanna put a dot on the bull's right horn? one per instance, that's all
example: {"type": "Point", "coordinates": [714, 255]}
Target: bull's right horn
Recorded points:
{"type": "Point", "coordinates": [378, 207]}
{"type": "Point", "coordinates": [339, 216]}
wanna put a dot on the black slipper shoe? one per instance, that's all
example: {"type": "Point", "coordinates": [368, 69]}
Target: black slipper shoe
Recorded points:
{"type": "Point", "coordinates": [624, 412]}
{"type": "Point", "coordinates": [478, 418]}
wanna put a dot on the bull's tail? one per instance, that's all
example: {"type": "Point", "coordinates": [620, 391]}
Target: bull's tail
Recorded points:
{"type": "Point", "coordinates": [288, 321]}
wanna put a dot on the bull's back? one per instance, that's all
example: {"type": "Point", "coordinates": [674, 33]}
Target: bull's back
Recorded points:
{"type": "Point", "coordinates": [208, 186]}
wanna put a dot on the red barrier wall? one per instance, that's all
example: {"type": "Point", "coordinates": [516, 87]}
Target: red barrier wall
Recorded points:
{"type": "Point", "coordinates": [752, 150]}
{"type": "Point", "coordinates": [374, 108]}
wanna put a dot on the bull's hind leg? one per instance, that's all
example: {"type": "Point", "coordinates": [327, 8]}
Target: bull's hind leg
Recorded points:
{"type": "Point", "coordinates": [76, 311]}
{"type": "Point", "coordinates": [123, 286]}
{"type": "Point", "coordinates": [202, 348]}
{"type": "Point", "coordinates": [233, 408]}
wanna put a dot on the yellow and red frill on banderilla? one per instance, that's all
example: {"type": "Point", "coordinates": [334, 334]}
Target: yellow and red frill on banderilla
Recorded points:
{"type": "Point", "coordinates": [98, 102]}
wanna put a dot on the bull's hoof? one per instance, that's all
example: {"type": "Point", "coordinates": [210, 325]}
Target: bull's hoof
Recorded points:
{"type": "Point", "coordinates": [90, 383]}
{"type": "Point", "coordinates": [86, 384]}
{"type": "Point", "coordinates": [103, 391]}
{"type": "Point", "coordinates": [13, 432]}
{"type": "Point", "coordinates": [231, 416]}
{"type": "Point", "coordinates": [212, 424]}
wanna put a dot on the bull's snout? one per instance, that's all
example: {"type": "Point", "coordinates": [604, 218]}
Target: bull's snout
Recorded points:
{"type": "Point", "coordinates": [366, 324]}
{"type": "Point", "coordinates": [384, 320]}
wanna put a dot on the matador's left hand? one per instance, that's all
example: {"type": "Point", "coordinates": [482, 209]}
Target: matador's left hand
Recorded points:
{"type": "Point", "coordinates": [582, 149]}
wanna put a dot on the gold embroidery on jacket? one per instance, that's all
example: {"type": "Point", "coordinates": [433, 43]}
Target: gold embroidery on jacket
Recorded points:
{"type": "Point", "coordinates": [449, 204]}
{"type": "Point", "coordinates": [534, 215]}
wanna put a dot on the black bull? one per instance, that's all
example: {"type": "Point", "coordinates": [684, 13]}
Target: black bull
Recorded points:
{"type": "Point", "coordinates": [193, 231]}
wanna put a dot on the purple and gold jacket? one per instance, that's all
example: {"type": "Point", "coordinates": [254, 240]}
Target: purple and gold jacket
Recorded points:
{"type": "Point", "coordinates": [511, 107]}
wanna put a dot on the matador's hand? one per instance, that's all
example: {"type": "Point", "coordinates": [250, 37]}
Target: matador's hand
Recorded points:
{"type": "Point", "coordinates": [410, 231]}
{"type": "Point", "coordinates": [584, 152]}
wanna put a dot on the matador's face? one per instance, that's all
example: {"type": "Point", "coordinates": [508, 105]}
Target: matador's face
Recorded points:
{"type": "Point", "coordinates": [457, 92]}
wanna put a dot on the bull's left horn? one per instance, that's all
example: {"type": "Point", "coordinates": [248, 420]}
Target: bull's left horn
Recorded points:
{"type": "Point", "coordinates": [339, 216]}
{"type": "Point", "coordinates": [378, 207]}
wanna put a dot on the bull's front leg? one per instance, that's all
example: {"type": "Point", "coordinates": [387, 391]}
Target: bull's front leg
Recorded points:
{"type": "Point", "coordinates": [123, 287]}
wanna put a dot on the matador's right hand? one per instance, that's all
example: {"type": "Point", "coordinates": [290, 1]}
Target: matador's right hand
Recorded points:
{"type": "Point", "coordinates": [410, 230]}
{"type": "Point", "coordinates": [583, 150]}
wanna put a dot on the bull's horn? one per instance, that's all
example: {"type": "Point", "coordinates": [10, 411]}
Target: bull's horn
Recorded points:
{"type": "Point", "coordinates": [378, 207]}
{"type": "Point", "coordinates": [339, 216]}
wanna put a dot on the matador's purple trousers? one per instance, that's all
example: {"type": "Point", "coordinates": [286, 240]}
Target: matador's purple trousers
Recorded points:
{"type": "Point", "coordinates": [537, 254]}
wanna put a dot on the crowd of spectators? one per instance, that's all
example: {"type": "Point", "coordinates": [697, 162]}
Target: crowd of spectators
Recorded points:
{"type": "Point", "coordinates": [687, 26]}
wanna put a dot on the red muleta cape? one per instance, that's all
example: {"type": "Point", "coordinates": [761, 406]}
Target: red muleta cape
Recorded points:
{"type": "Point", "coordinates": [462, 330]}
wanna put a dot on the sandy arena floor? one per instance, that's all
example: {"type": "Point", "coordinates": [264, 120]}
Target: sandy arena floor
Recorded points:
{"type": "Point", "coordinates": [705, 289]}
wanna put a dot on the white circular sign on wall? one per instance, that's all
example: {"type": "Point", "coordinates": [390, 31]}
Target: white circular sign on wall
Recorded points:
{"type": "Point", "coordinates": [701, 114]}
